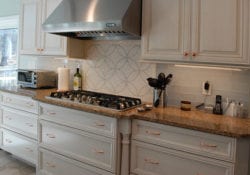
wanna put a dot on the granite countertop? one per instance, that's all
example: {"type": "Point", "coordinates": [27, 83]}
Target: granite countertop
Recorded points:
{"type": "Point", "coordinates": [197, 120]}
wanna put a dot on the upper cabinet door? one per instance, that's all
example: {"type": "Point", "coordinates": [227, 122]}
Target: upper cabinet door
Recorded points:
{"type": "Point", "coordinates": [219, 31]}
{"type": "Point", "coordinates": [165, 29]}
{"type": "Point", "coordinates": [51, 44]}
{"type": "Point", "coordinates": [33, 40]}
{"type": "Point", "coordinates": [30, 27]}
{"type": "Point", "coordinates": [196, 31]}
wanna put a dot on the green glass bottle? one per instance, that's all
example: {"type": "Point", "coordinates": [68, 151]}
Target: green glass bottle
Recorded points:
{"type": "Point", "coordinates": [77, 84]}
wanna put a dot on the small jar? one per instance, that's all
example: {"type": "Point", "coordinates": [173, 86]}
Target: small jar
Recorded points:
{"type": "Point", "coordinates": [186, 105]}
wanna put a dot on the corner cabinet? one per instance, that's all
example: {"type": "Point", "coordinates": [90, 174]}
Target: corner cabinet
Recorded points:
{"type": "Point", "coordinates": [196, 31]}
{"type": "Point", "coordinates": [33, 41]}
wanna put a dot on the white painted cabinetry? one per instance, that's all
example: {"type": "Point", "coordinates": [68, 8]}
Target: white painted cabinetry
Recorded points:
{"type": "Point", "coordinates": [76, 139]}
{"type": "Point", "coordinates": [165, 150]}
{"type": "Point", "coordinates": [19, 116]}
{"type": "Point", "coordinates": [33, 41]}
{"type": "Point", "coordinates": [196, 31]}
{"type": "Point", "coordinates": [53, 164]}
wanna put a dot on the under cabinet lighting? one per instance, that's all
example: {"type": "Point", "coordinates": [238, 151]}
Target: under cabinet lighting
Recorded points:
{"type": "Point", "coordinates": [208, 67]}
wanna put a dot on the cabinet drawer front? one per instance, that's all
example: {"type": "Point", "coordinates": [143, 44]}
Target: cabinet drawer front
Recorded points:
{"type": "Point", "coordinates": [20, 146]}
{"type": "Point", "coordinates": [20, 102]}
{"type": "Point", "coordinates": [22, 122]}
{"type": "Point", "coordinates": [81, 120]}
{"type": "Point", "coordinates": [89, 148]}
{"type": "Point", "coordinates": [214, 146]}
{"type": "Point", "coordinates": [54, 164]}
{"type": "Point", "coordinates": [154, 160]}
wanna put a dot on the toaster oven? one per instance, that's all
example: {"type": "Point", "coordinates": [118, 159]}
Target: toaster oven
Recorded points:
{"type": "Point", "coordinates": [34, 78]}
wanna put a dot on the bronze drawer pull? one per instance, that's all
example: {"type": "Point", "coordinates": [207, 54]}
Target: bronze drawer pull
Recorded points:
{"type": "Point", "coordinates": [206, 145]}
{"type": "Point", "coordinates": [151, 161]}
{"type": "Point", "coordinates": [50, 113]}
{"type": "Point", "coordinates": [99, 124]}
{"type": "Point", "coordinates": [98, 151]}
{"type": "Point", "coordinates": [51, 165]}
{"type": "Point", "coordinates": [51, 136]}
{"type": "Point", "coordinates": [157, 133]}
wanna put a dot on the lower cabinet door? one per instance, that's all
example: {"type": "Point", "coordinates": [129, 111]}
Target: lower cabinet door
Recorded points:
{"type": "Point", "coordinates": [19, 146]}
{"type": "Point", "coordinates": [23, 122]}
{"type": "Point", "coordinates": [54, 164]}
{"type": "Point", "coordinates": [85, 147]}
{"type": "Point", "coordinates": [148, 159]}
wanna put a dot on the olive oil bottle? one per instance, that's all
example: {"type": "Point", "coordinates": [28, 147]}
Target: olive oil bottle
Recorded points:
{"type": "Point", "coordinates": [77, 82]}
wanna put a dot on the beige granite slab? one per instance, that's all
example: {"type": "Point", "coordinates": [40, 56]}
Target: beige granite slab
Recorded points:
{"type": "Point", "coordinates": [196, 120]}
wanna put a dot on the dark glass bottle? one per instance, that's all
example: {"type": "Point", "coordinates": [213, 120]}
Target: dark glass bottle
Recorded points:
{"type": "Point", "coordinates": [77, 84]}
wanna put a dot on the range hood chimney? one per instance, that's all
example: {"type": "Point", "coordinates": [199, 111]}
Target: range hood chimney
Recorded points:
{"type": "Point", "coordinates": [96, 19]}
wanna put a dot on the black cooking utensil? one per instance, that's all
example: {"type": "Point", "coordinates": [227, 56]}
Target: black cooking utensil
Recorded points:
{"type": "Point", "coordinates": [153, 82]}
{"type": "Point", "coordinates": [168, 79]}
{"type": "Point", "coordinates": [161, 79]}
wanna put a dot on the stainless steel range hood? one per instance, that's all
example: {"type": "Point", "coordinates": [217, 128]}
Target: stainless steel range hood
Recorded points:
{"type": "Point", "coordinates": [96, 19]}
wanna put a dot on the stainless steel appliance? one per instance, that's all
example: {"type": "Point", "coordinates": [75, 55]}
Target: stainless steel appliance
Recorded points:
{"type": "Point", "coordinates": [119, 103]}
{"type": "Point", "coordinates": [96, 19]}
{"type": "Point", "coordinates": [34, 78]}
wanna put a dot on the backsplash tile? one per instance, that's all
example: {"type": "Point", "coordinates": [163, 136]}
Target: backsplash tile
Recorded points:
{"type": "Point", "coordinates": [108, 67]}
{"type": "Point", "coordinates": [112, 67]}
{"type": "Point", "coordinates": [187, 84]}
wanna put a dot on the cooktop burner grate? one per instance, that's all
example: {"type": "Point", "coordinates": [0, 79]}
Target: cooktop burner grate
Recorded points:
{"type": "Point", "coordinates": [116, 102]}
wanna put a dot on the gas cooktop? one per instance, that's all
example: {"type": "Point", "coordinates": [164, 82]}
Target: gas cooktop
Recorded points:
{"type": "Point", "coordinates": [119, 103]}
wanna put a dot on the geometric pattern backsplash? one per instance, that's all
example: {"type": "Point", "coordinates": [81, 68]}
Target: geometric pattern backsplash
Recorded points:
{"type": "Point", "coordinates": [113, 67]}
{"type": "Point", "coordinates": [108, 67]}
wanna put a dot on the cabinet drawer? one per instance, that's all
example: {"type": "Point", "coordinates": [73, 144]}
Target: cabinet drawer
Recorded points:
{"type": "Point", "coordinates": [97, 124]}
{"type": "Point", "coordinates": [20, 102]}
{"type": "Point", "coordinates": [19, 145]}
{"type": "Point", "coordinates": [88, 148]}
{"type": "Point", "coordinates": [54, 164]}
{"type": "Point", "coordinates": [214, 146]}
{"type": "Point", "coordinates": [154, 160]}
{"type": "Point", "coordinates": [21, 122]}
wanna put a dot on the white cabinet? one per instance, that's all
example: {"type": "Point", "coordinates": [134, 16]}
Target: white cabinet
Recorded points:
{"type": "Point", "coordinates": [19, 117]}
{"type": "Point", "coordinates": [19, 102]}
{"type": "Point", "coordinates": [163, 29]}
{"type": "Point", "coordinates": [19, 146]}
{"type": "Point", "coordinates": [55, 164]}
{"type": "Point", "coordinates": [30, 15]}
{"type": "Point", "coordinates": [89, 140]}
{"type": "Point", "coordinates": [209, 145]}
{"type": "Point", "coordinates": [159, 149]}
{"type": "Point", "coordinates": [19, 121]}
{"type": "Point", "coordinates": [89, 122]}
{"type": "Point", "coordinates": [85, 147]}
{"type": "Point", "coordinates": [34, 41]}
{"type": "Point", "coordinates": [154, 160]}
{"type": "Point", "coordinates": [196, 31]}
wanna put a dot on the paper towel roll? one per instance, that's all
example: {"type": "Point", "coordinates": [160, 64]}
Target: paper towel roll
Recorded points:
{"type": "Point", "coordinates": [63, 78]}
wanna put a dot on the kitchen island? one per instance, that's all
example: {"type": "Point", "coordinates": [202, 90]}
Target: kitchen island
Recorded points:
{"type": "Point", "coordinates": [209, 141]}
